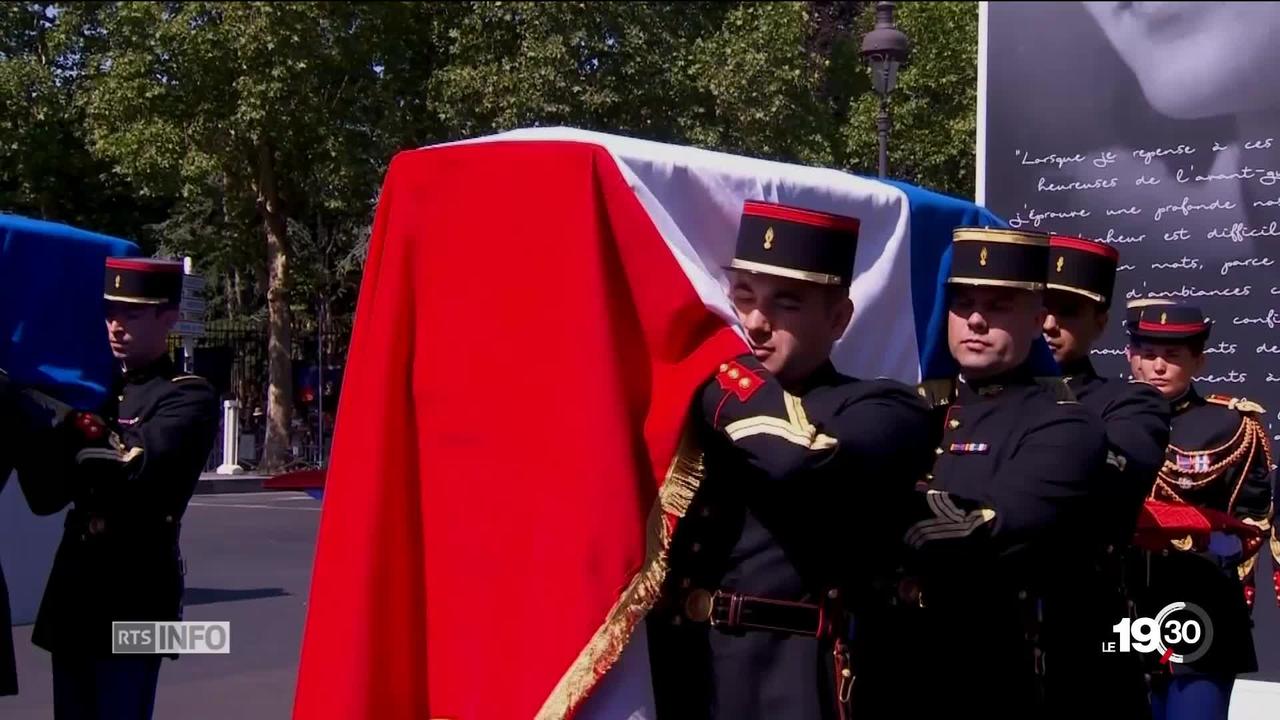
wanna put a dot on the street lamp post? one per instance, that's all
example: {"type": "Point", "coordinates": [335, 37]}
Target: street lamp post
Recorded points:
{"type": "Point", "coordinates": [885, 49]}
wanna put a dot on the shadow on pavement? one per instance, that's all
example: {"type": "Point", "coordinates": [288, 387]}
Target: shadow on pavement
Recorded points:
{"type": "Point", "coordinates": [209, 596]}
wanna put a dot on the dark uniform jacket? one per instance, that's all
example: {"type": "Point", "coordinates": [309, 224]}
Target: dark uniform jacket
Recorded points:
{"type": "Point", "coordinates": [1081, 679]}
{"type": "Point", "coordinates": [1137, 420]}
{"type": "Point", "coordinates": [1219, 457]}
{"type": "Point", "coordinates": [26, 449]}
{"type": "Point", "coordinates": [779, 520]}
{"type": "Point", "coordinates": [119, 558]}
{"type": "Point", "coordinates": [1009, 506]}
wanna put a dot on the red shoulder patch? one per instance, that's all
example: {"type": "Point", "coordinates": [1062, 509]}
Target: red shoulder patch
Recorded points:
{"type": "Point", "coordinates": [737, 379]}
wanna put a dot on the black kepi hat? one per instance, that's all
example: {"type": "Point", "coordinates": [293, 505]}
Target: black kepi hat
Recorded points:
{"type": "Point", "coordinates": [1133, 308]}
{"type": "Point", "coordinates": [796, 243]}
{"type": "Point", "coordinates": [1176, 324]}
{"type": "Point", "coordinates": [1084, 267]}
{"type": "Point", "coordinates": [143, 281]}
{"type": "Point", "coordinates": [999, 258]}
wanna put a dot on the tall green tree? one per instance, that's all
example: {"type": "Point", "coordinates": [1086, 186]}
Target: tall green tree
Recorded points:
{"type": "Point", "coordinates": [254, 136]}
{"type": "Point", "coordinates": [46, 169]}
{"type": "Point", "coordinates": [274, 117]}
{"type": "Point", "coordinates": [934, 107]}
{"type": "Point", "coordinates": [776, 80]}
{"type": "Point", "coordinates": [618, 67]}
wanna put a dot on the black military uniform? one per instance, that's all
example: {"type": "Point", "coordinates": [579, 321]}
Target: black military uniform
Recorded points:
{"type": "Point", "coordinates": [1009, 505]}
{"type": "Point", "coordinates": [768, 560]}
{"type": "Point", "coordinates": [30, 440]}
{"type": "Point", "coordinates": [1136, 416]}
{"type": "Point", "coordinates": [119, 558]}
{"type": "Point", "coordinates": [1219, 457]}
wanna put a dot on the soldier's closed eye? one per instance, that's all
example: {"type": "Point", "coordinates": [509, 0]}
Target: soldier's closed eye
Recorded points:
{"type": "Point", "coordinates": [787, 302]}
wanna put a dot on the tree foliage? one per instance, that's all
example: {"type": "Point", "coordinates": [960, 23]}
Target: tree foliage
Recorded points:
{"type": "Point", "coordinates": [934, 107]}
{"type": "Point", "coordinates": [254, 136]}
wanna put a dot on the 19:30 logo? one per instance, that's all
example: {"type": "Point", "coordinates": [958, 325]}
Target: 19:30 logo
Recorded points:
{"type": "Point", "coordinates": [1181, 632]}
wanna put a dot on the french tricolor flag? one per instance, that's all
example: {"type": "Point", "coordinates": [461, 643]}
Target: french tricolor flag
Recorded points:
{"type": "Point", "coordinates": [537, 310]}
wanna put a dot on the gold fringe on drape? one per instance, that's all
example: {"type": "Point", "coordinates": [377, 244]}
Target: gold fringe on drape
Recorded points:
{"type": "Point", "coordinates": [674, 498]}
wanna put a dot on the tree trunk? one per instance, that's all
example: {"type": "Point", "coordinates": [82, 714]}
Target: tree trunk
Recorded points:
{"type": "Point", "coordinates": [275, 451]}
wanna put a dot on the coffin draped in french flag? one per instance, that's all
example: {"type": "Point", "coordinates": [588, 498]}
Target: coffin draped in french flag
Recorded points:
{"type": "Point", "coordinates": [537, 310]}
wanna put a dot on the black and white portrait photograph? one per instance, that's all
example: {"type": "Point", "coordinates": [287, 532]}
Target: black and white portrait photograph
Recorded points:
{"type": "Point", "coordinates": [1153, 127]}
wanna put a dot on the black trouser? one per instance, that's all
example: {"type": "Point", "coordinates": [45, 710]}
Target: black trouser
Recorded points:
{"type": "Point", "coordinates": [104, 688]}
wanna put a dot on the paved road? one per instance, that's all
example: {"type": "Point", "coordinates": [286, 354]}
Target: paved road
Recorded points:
{"type": "Point", "coordinates": [248, 562]}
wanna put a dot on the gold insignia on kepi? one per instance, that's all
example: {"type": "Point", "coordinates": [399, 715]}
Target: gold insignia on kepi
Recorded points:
{"type": "Point", "coordinates": [768, 238]}
{"type": "Point", "coordinates": [982, 257]}
{"type": "Point", "coordinates": [1164, 318]}
{"type": "Point", "coordinates": [697, 606]}
{"type": "Point", "coordinates": [117, 282]}
{"type": "Point", "coordinates": [1061, 261]}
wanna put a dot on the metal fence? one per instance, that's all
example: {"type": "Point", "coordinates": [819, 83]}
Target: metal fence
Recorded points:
{"type": "Point", "coordinates": [233, 356]}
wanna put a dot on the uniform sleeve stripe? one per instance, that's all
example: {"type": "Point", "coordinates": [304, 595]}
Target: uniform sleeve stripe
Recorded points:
{"type": "Point", "coordinates": [98, 454]}
{"type": "Point", "coordinates": [795, 410]}
{"type": "Point", "coordinates": [939, 529]}
{"type": "Point", "coordinates": [943, 534]}
{"type": "Point", "coordinates": [920, 536]}
{"type": "Point", "coordinates": [755, 425]}
{"type": "Point", "coordinates": [927, 527]}
{"type": "Point", "coordinates": [943, 506]}
{"type": "Point", "coordinates": [778, 428]}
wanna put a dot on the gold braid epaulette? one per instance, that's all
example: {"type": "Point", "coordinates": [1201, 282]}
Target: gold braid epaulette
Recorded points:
{"type": "Point", "coordinates": [1242, 449]}
{"type": "Point", "coordinates": [1275, 558]}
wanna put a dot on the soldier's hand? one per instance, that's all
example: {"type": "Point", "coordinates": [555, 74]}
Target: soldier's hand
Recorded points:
{"type": "Point", "coordinates": [98, 447]}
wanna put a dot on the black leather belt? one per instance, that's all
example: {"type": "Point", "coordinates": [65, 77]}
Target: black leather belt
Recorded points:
{"type": "Point", "coordinates": [735, 611]}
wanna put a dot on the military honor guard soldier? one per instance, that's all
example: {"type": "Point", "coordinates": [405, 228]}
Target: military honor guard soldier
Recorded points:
{"type": "Point", "coordinates": [135, 468]}
{"type": "Point", "coordinates": [1009, 502]}
{"type": "Point", "coordinates": [1081, 282]}
{"type": "Point", "coordinates": [1219, 457]}
{"type": "Point", "coordinates": [800, 464]}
